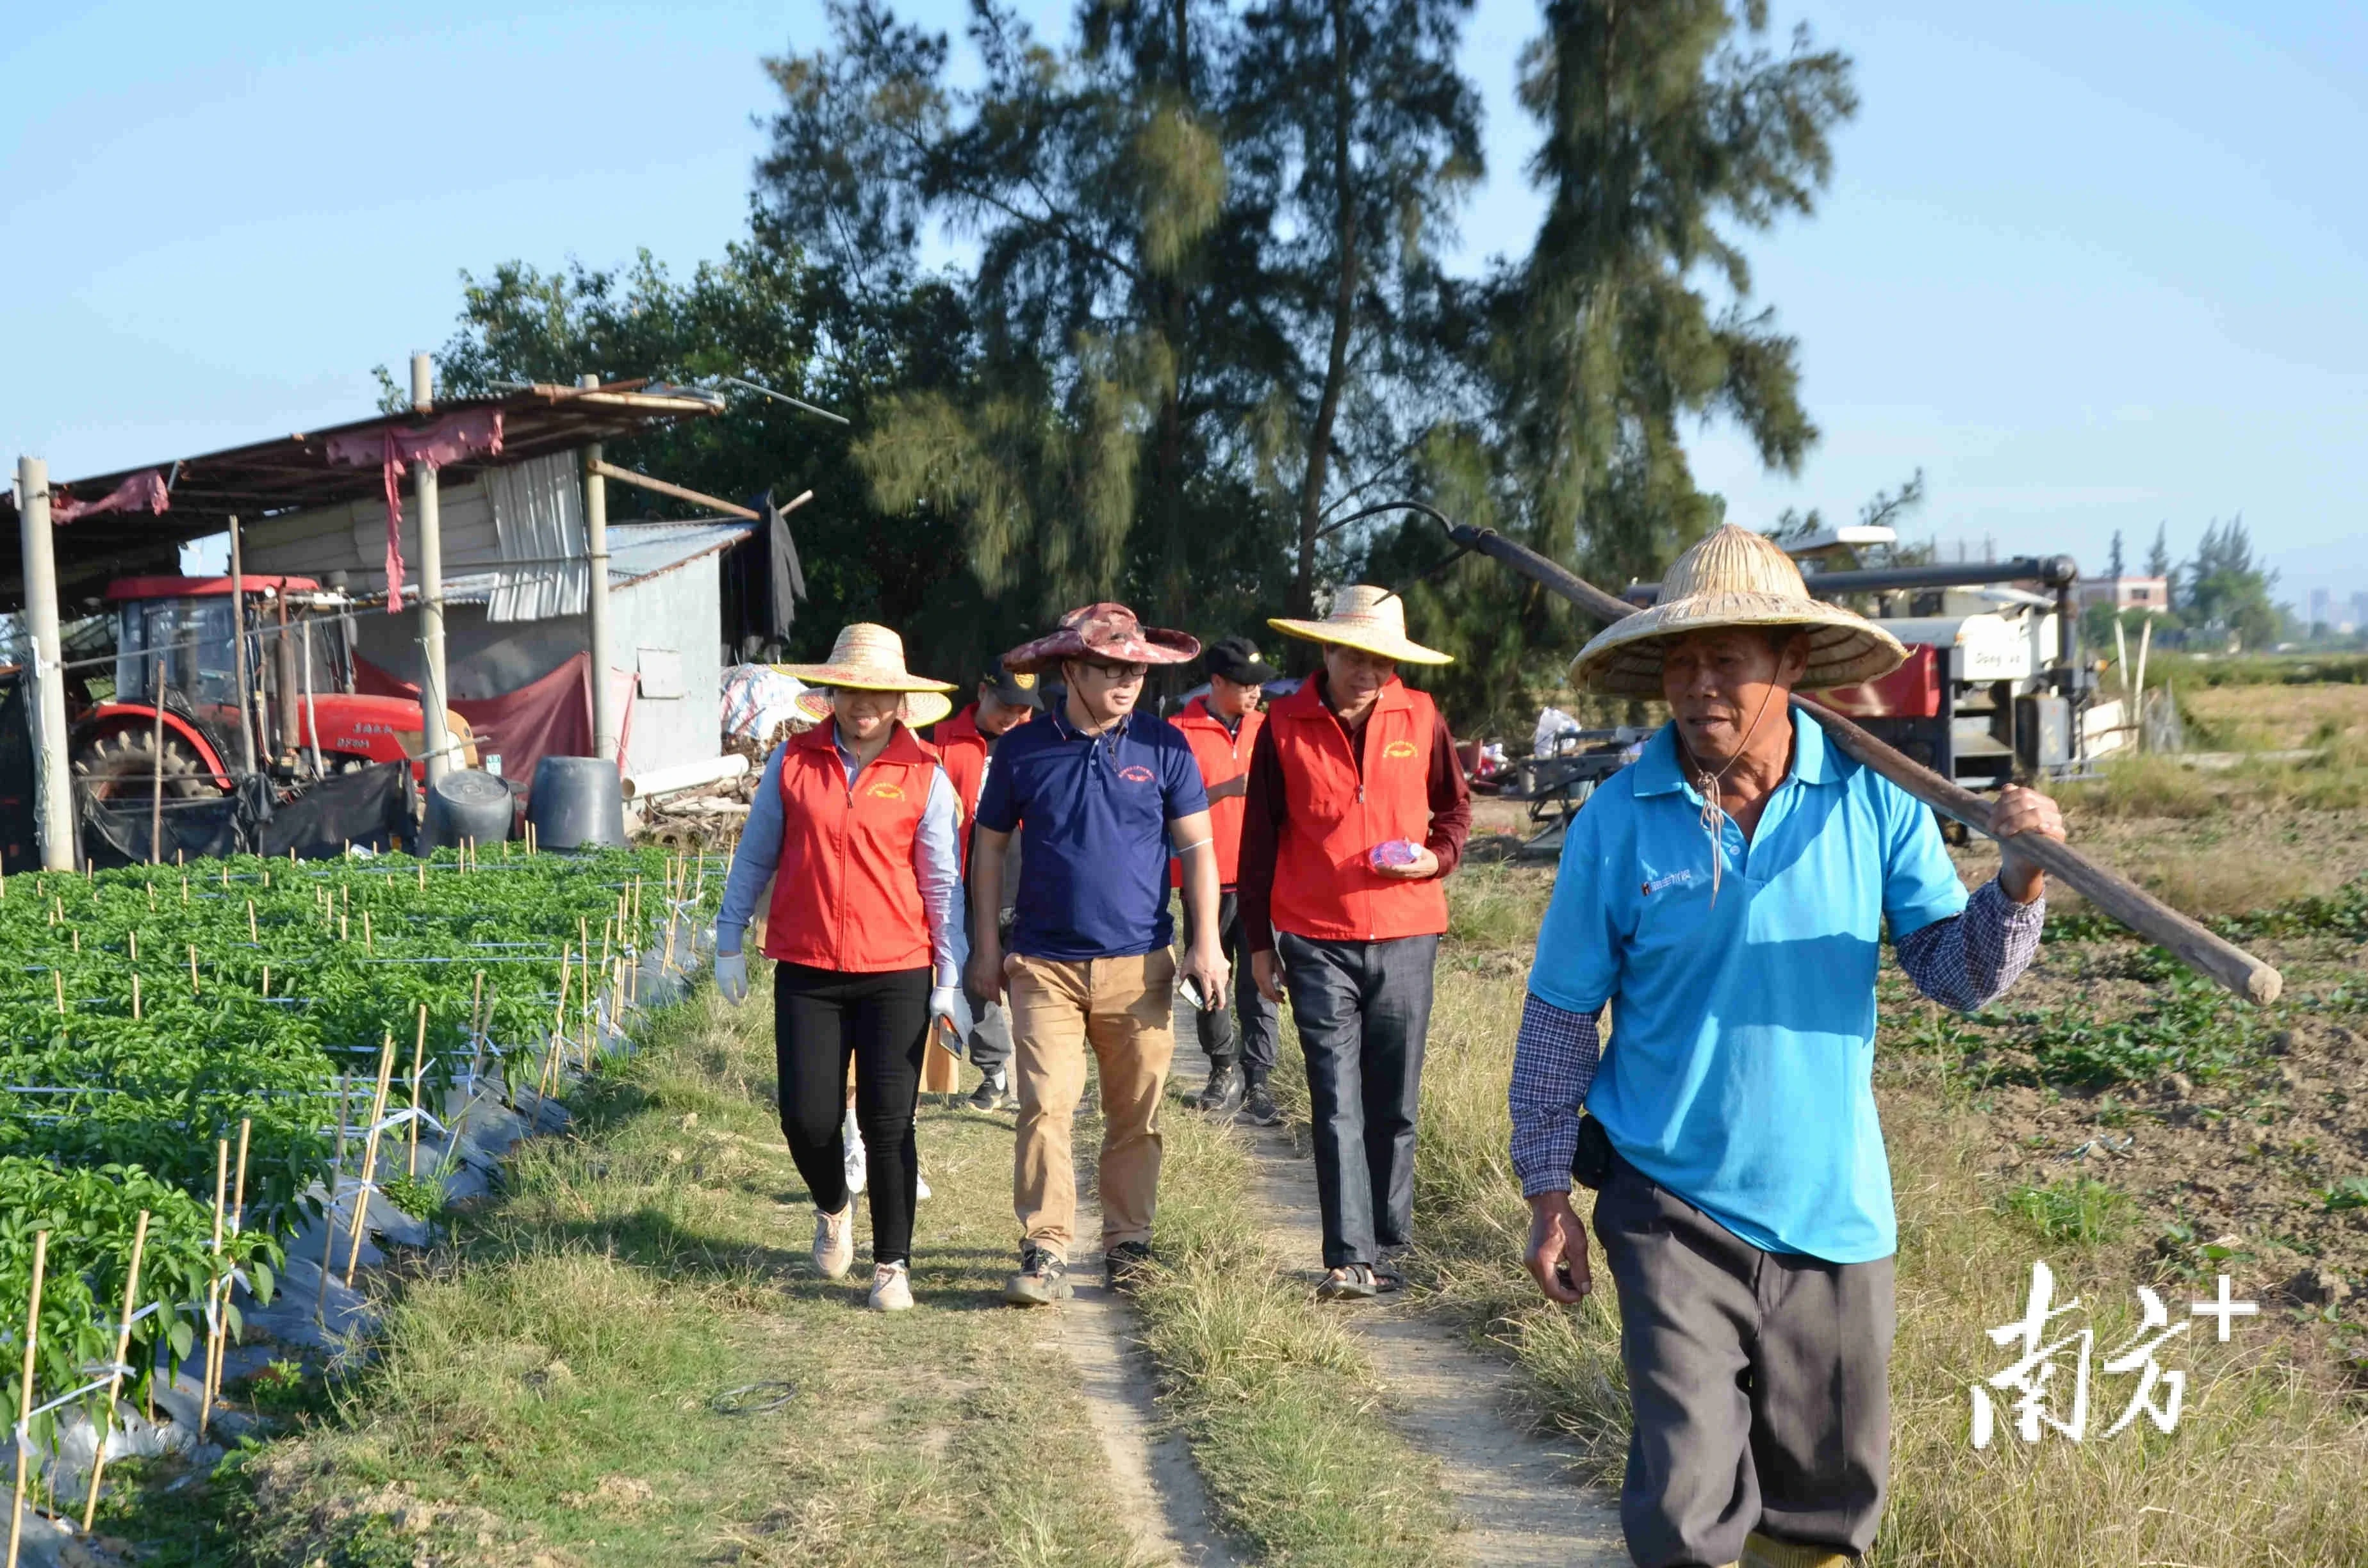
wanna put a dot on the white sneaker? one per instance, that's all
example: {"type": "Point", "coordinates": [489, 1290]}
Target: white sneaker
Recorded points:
{"type": "Point", "coordinates": [920, 1186]}
{"type": "Point", "coordinates": [851, 1137]}
{"type": "Point", "coordinates": [834, 1247]}
{"type": "Point", "coordinates": [892, 1290]}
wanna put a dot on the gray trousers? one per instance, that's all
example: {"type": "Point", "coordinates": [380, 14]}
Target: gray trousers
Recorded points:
{"type": "Point", "coordinates": [1244, 1032]}
{"type": "Point", "coordinates": [1363, 1012]}
{"type": "Point", "coordinates": [1759, 1382]}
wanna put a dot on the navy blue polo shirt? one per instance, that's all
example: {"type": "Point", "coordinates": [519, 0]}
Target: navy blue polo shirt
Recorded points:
{"type": "Point", "coordinates": [1092, 812]}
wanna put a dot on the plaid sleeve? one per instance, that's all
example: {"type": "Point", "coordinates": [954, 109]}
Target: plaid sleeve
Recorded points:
{"type": "Point", "coordinates": [1969, 961]}
{"type": "Point", "coordinates": [1553, 1066]}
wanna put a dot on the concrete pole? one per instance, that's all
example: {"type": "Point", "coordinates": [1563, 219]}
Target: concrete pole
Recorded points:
{"type": "Point", "coordinates": [429, 505]}
{"type": "Point", "coordinates": [605, 728]}
{"type": "Point", "coordinates": [54, 818]}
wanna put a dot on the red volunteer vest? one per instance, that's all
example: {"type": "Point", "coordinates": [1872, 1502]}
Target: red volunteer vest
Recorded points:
{"type": "Point", "coordinates": [1221, 757]}
{"type": "Point", "coordinates": [962, 749]}
{"type": "Point", "coordinates": [1322, 886]}
{"type": "Point", "coordinates": [845, 896]}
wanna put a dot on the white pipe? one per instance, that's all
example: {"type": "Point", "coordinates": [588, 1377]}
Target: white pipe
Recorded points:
{"type": "Point", "coordinates": [2138, 699]}
{"type": "Point", "coordinates": [684, 776]}
{"type": "Point", "coordinates": [55, 819]}
{"type": "Point", "coordinates": [311, 714]}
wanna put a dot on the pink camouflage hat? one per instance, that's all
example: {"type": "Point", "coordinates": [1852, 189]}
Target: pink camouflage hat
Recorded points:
{"type": "Point", "coordinates": [1103, 632]}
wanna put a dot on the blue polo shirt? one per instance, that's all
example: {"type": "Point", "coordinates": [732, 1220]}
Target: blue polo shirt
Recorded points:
{"type": "Point", "coordinates": [1092, 812]}
{"type": "Point", "coordinates": [1739, 1071]}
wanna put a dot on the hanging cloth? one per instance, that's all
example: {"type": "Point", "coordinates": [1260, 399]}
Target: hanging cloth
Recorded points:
{"type": "Point", "coordinates": [393, 448]}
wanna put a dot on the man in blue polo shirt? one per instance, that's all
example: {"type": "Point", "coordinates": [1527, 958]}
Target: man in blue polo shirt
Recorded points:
{"type": "Point", "coordinates": [1097, 792]}
{"type": "Point", "coordinates": [1727, 896]}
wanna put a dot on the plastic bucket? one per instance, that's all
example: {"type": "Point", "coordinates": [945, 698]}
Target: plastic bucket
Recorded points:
{"type": "Point", "coordinates": [467, 806]}
{"type": "Point", "coordinates": [577, 801]}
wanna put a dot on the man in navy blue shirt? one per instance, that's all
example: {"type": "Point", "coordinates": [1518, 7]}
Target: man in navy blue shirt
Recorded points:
{"type": "Point", "coordinates": [1097, 792]}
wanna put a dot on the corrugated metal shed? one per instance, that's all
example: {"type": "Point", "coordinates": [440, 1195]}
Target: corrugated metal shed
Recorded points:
{"type": "Point", "coordinates": [637, 552]}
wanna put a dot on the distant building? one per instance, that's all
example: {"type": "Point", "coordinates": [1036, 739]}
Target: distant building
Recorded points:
{"type": "Point", "coordinates": [2126, 592]}
{"type": "Point", "coordinates": [2359, 609]}
{"type": "Point", "coordinates": [2322, 607]}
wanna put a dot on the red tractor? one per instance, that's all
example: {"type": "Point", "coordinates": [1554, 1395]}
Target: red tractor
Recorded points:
{"type": "Point", "coordinates": [308, 721]}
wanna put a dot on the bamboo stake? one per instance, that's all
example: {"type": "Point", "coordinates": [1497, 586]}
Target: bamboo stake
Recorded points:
{"type": "Point", "coordinates": [252, 934]}
{"type": "Point", "coordinates": [221, 1333]}
{"type": "Point", "coordinates": [369, 942]}
{"type": "Point", "coordinates": [115, 1377]}
{"type": "Point", "coordinates": [337, 1169]}
{"type": "Point", "coordinates": [193, 969]}
{"type": "Point", "coordinates": [418, 1068]}
{"type": "Point", "coordinates": [369, 1154]}
{"type": "Point", "coordinates": [132, 936]}
{"type": "Point", "coordinates": [423, 875]}
{"type": "Point", "coordinates": [75, 932]}
{"type": "Point", "coordinates": [266, 987]}
{"type": "Point", "coordinates": [25, 1393]}
{"type": "Point", "coordinates": [222, 1198]}
{"type": "Point", "coordinates": [60, 979]}
{"type": "Point", "coordinates": [135, 992]}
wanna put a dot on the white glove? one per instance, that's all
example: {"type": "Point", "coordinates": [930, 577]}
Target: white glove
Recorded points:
{"type": "Point", "coordinates": [947, 1002]}
{"type": "Point", "coordinates": [732, 977]}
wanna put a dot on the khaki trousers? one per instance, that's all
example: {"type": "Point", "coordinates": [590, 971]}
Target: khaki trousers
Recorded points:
{"type": "Point", "coordinates": [1123, 1009]}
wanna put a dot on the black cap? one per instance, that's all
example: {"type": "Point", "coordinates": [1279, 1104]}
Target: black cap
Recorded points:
{"type": "Point", "coordinates": [1014, 690]}
{"type": "Point", "coordinates": [1236, 659]}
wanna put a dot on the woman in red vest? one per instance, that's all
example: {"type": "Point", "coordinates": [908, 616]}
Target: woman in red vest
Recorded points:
{"type": "Point", "coordinates": [1357, 808]}
{"type": "Point", "coordinates": [856, 827]}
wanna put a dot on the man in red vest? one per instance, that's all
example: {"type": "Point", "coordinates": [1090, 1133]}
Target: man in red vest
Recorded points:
{"type": "Point", "coordinates": [966, 746]}
{"type": "Point", "coordinates": [1357, 808]}
{"type": "Point", "coordinates": [1223, 728]}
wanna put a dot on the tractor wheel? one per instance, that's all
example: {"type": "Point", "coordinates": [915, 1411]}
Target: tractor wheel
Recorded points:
{"type": "Point", "coordinates": [121, 765]}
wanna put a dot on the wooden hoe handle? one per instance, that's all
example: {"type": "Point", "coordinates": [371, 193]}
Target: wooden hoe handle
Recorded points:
{"type": "Point", "coordinates": [2143, 913]}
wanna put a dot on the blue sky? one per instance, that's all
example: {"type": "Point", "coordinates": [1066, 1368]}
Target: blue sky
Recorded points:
{"type": "Point", "coordinates": [2090, 266]}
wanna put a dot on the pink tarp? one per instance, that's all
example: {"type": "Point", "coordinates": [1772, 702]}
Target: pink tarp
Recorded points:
{"type": "Point", "coordinates": [146, 488]}
{"type": "Point", "coordinates": [450, 439]}
{"type": "Point", "coordinates": [551, 717]}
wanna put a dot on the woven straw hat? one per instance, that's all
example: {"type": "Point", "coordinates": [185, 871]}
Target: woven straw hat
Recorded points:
{"type": "Point", "coordinates": [1368, 618]}
{"type": "Point", "coordinates": [917, 711]}
{"type": "Point", "coordinates": [867, 658]}
{"type": "Point", "coordinates": [1734, 578]}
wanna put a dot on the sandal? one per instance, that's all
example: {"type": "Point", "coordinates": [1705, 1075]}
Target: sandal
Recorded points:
{"type": "Point", "coordinates": [1349, 1282]}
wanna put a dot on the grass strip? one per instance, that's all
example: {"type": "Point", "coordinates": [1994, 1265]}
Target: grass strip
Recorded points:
{"type": "Point", "coordinates": [1270, 1389]}
{"type": "Point", "coordinates": [2264, 1469]}
{"type": "Point", "coordinates": [541, 1389]}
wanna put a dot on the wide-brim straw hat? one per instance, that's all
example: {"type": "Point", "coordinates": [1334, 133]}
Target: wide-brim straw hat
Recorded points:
{"type": "Point", "coordinates": [1103, 632]}
{"type": "Point", "coordinates": [1367, 617]}
{"type": "Point", "coordinates": [917, 711]}
{"type": "Point", "coordinates": [867, 658]}
{"type": "Point", "coordinates": [1734, 578]}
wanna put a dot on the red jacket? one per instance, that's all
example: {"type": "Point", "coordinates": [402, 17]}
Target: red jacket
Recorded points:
{"type": "Point", "coordinates": [846, 896]}
{"type": "Point", "coordinates": [1222, 756]}
{"type": "Point", "coordinates": [961, 747]}
{"type": "Point", "coordinates": [1322, 886]}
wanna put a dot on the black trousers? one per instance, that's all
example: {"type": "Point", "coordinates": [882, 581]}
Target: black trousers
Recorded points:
{"type": "Point", "coordinates": [821, 1018]}
{"type": "Point", "coordinates": [1363, 1012]}
{"type": "Point", "coordinates": [1761, 1383]}
{"type": "Point", "coordinates": [1245, 1030]}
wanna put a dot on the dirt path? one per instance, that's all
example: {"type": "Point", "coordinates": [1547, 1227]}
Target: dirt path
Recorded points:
{"type": "Point", "coordinates": [1160, 1492]}
{"type": "Point", "coordinates": [1518, 1506]}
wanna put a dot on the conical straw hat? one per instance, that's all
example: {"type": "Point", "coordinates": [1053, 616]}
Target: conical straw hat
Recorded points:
{"type": "Point", "coordinates": [867, 658]}
{"type": "Point", "coordinates": [919, 711]}
{"type": "Point", "coordinates": [1368, 618]}
{"type": "Point", "coordinates": [1733, 578]}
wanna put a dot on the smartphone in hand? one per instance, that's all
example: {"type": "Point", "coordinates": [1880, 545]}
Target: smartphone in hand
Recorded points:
{"type": "Point", "coordinates": [1191, 990]}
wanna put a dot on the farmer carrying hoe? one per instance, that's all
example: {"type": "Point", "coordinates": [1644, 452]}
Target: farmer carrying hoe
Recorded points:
{"type": "Point", "coordinates": [1725, 896]}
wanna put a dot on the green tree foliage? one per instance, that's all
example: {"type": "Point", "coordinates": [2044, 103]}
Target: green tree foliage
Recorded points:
{"type": "Point", "coordinates": [2159, 555]}
{"type": "Point", "coordinates": [762, 315]}
{"type": "Point", "coordinates": [2114, 565]}
{"type": "Point", "coordinates": [1671, 126]}
{"type": "Point", "coordinates": [2221, 586]}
